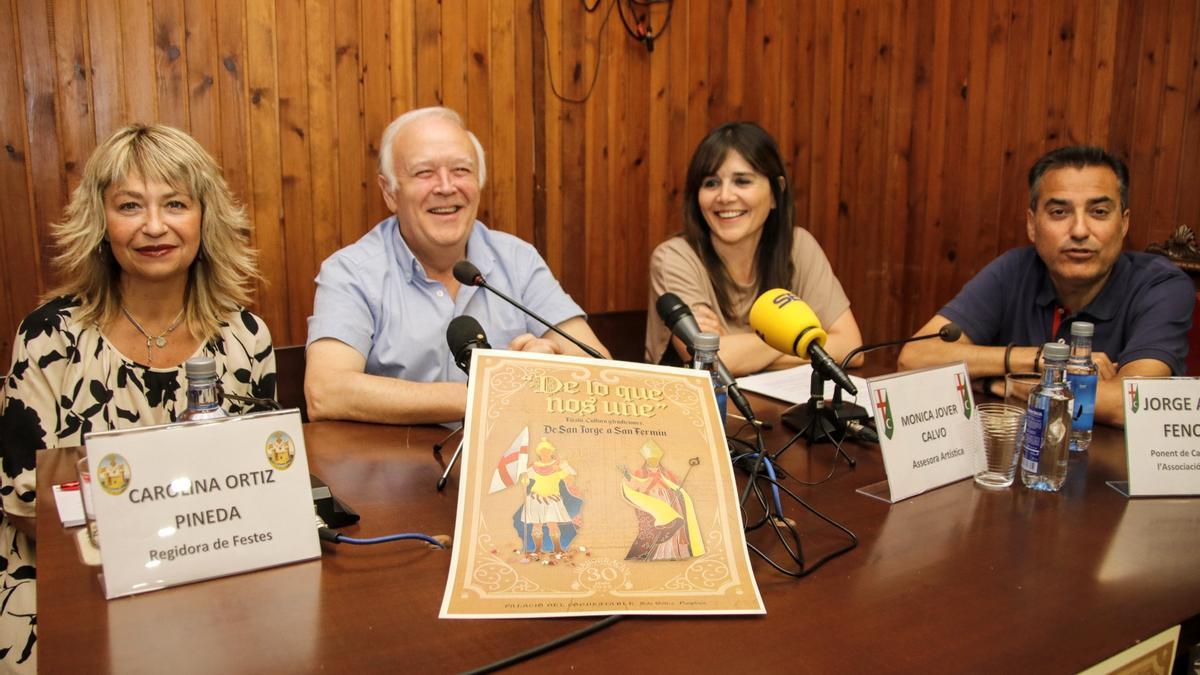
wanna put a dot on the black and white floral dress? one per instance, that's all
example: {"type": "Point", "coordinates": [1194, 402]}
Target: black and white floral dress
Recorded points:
{"type": "Point", "coordinates": [67, 379]}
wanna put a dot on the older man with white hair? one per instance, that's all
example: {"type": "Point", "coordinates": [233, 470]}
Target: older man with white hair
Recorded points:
{"type": "Point", "coordinates": [376, 340]}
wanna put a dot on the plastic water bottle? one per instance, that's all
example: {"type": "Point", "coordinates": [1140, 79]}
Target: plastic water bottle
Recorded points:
{"type": "Point", "coordinates": [203, 392]}
{"type": "Point", "coordinates": [704, 349]}
{"type": "Point", "coordinates": [1048, 423]}
{"type": "Point", "coordinates": [1082, 375]}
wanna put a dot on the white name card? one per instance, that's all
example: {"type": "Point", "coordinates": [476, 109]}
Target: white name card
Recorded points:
{"type": "Point", "coordinates": [929, 431]}
{"type": "Point", "coordinates": [1162, 435]}
{"type": "Point", "coordinates": [187, 502]}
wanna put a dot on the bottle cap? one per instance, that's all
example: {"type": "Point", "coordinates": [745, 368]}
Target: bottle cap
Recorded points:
{"type": "Point", "coordinates": [709, 342]}
{"type": "Point", "coordinates": [1056, 351]}
{"type": "Point", "coordinates": [201, 368]}
{"type": "Point", "coordinates": [1083, 329]}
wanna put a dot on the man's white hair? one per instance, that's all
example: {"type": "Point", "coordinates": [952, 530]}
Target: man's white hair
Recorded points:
{"type": "Point", "coordinates": [386, 156]}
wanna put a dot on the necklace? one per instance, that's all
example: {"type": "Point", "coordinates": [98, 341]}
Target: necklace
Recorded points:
{"type": "Point", "coordinates": [159, 340]}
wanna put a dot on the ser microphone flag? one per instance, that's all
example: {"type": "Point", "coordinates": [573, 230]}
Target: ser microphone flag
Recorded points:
{"type": "Point", "coordinates": [788, 324]}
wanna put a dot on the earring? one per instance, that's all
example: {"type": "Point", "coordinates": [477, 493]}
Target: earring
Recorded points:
{"type": "Point", "coordinates": [100, 247]}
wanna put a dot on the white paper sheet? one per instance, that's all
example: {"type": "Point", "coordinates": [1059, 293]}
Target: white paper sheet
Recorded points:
{"type": "Point", "coordinates": [792, 385]}
{"type": "Point", "coordinates": [70, 506]}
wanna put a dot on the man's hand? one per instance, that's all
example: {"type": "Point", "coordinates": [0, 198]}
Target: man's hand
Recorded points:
{"type": "Point", "coordinates": [527, 342]}
{"type": "Point", "coordinates": [1107, 369]}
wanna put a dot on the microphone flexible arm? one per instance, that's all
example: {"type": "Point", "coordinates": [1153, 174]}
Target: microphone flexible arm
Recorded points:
{"type": "Point", "coordinates": [471, 277]}
{"type": "Point", "coordinates": [949, 332]}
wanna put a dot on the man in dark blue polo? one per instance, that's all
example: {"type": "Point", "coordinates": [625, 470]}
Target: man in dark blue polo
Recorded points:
{"type": "Point", "coordinates": [1078, 216]}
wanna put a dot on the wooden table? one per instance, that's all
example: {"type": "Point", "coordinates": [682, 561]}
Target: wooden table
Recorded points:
{"type": "Point", "coordinates": [960, 579]}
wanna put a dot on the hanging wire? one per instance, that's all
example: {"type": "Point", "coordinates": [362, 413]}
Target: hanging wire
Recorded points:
{"type": "Point", "coordinates": [599, 51]}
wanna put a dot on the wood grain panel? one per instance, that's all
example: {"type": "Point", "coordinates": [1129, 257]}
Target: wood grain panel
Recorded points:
{"type": "Point", "coordinates": [907, 125]}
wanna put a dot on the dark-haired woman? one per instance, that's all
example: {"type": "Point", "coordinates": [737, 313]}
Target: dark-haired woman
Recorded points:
{"type": "Point", "coordinates": [740, 241]}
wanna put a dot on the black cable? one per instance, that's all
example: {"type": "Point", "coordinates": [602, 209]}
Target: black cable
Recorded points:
{"type": "Point", "coordinates": [591, 9]}
{"type": "Point", "coordinates": [548, 646]}
{"type": "Point", "coordinates": [599, 53]}
{"type": "Point", "coordinates": [804, 570]}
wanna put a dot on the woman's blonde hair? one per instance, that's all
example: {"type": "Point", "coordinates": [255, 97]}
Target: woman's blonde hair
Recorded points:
{"type": "Point", "coordinates": [224, 270]}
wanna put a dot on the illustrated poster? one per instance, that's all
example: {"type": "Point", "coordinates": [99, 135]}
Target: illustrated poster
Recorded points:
{"type": "Point", "coordinates": [594, 487]}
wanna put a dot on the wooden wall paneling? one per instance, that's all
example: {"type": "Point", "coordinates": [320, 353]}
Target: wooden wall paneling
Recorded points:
{"type": "Point", "coordinates": [476, 107]}
{"type": "Point", "coordinates": [662, 104]}
{"type": "Point", "coordinates": [137, 61]}
{"type": "Point", "coordinates": [595, 177]}
{"type": "Point", "coordinates": [296, 231]}
{"type": "Point", "coordinates": [1127, 57]}
{"type": "Point", "coordinates": [795, 103]}
{"type": "Point", "coordinates": [976, 246]}
{"type": "Point", "coordinates": [106, 71]}
{"type": "Point", "coordinates": [699, 75]}
{"type": "Point", "coordinates": [843, 245]}
{"type": "Point", "coordinates": [996, 108]}
{"type": "Point", "coordinates": [580, 57]}
{"type": "Point", "coordinates": [454, 31]}
{"type": "Point", "coordinates": [428, 66]}
{"type": "Point", "coordinates": [376, 99]}
{"type": "Point", "coordinates": [538, 50]}
{"type": "Point", "coordinates": [893, 314]}
{"type": "Point", "coordinates": [1101, 104]}
{"type": "Point", "coordinates": [403, 58]}
{"type": "Point", "coordinates": [1177, 65]}
{"type": "Point", "coordinates": [869, 237]}
{"type": "Point", "coordinates": [616, 224]}
{"type": "Point", "coordinates": [1187, 207]}
{"type": "Point", "coordinates": [502, 162]}
{"type": "Point", "coordinates": [830, 127]}
{"type": "Point", "coordinates": [1058, 74]}
{"type": "Point", "coordinates": [233, 98]}
{"type": "Point", "coordinates": [322, 160]}
{"type": "Point", "coordinates": [1036, 74]}
{"type": "Point", "coordinates": [203, 97]}
{"type": "Point", "coordinates": [77, 129]}
{"type": "Point", "coordinates": [41, 119]}
{"type": "Point", "coordinates": [265, 178]}
{"type": "Point", "coordinates": [1147, 116]}
{"type": "Point", "coordinates": [956, 269]}
{"type": "Point", "coordinates": [19, 288]}
{"type": "Point", "coordinates": [1079, 89]}
{"type": "Point", "coordinates": [819, 119]}
{"type": "Point", "coordinates": [523, 136]}
{"type": "Point", "coordinates": [918, 82]}
{"type": "Point", "coordinates": [170, 63]}
{"type": "Point", "coordinates": [1013, 196]}
{"type": "Point", "coordinates": [355, 180]}
{"type": "Point", "coordinates": [933, 255]}
{"type": "Point", "coordinates": [733, 56]}
{"type": "Point", "coordinates": [630, 263]}
{"type": "Point", "coordinates": [754, 86]}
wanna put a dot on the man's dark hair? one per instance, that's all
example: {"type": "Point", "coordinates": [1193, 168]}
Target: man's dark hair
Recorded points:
{"type": "Point", "coordinates": [1077, 157]}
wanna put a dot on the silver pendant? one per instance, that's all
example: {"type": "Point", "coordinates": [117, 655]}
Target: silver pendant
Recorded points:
{"type": "Point", "coordinates": [160, 341]}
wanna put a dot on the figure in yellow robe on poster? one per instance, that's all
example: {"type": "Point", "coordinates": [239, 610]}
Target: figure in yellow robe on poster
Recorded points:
{"type": "Point", "coordinates": [548, 518]}
{"type": "Point", "coordinates": [667, 527]}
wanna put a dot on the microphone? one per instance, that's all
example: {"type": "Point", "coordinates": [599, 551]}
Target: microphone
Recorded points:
{"type": "Point", "coordinates": [467, 274]}
{"type": "Point", "coordinates": [949, 332]}
{"type": "Point", "coordinates": [788, 324]}
{"type": "Point", "coordinates": [682, 323]}
{"type": "Point", "coordinates": [464, 335]}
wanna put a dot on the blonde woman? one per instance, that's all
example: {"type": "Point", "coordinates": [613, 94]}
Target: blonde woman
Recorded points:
{"type": "Point", "coordinates": [155, 253]}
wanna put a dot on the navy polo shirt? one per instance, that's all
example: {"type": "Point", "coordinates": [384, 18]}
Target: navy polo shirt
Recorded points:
{"type": "Point", "coordinates": [1144, 310]}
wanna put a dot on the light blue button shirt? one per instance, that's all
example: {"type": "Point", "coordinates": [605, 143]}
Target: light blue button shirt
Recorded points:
{"type": "Point", "coordinates": [374, 295]}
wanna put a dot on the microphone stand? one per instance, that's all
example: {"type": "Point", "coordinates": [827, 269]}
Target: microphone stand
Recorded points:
{"type": "Point", "coordinates": [437, 451]}
{"type": "Point", "coordinates": [817, 421]}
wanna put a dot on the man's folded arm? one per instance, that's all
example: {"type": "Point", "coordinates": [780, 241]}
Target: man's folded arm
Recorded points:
{"type": "Point", "coordinates": [1110, 392]}
{"type": "Point", "coordinates": [981, 360]}
{"type": "Point", "coordinates": [336, 387]}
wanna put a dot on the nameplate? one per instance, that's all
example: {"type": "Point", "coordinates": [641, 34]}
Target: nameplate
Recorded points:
{"type": "Point", "coordinates": [929, 431]}
{"type": "Point", "coordinates": [187, 502]}
{"type": "Point", "coordinates": [1162, 436]}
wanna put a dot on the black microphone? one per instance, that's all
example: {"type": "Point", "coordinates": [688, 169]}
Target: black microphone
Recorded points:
{"type": "Point", "coordinates": [682, 323]}
{"type": "Point", "coordinates": [949, 332]}
{"type": "Point", "coordinates": [464, 335]}
{"type": "Point", "coordinates": [468, 274]}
